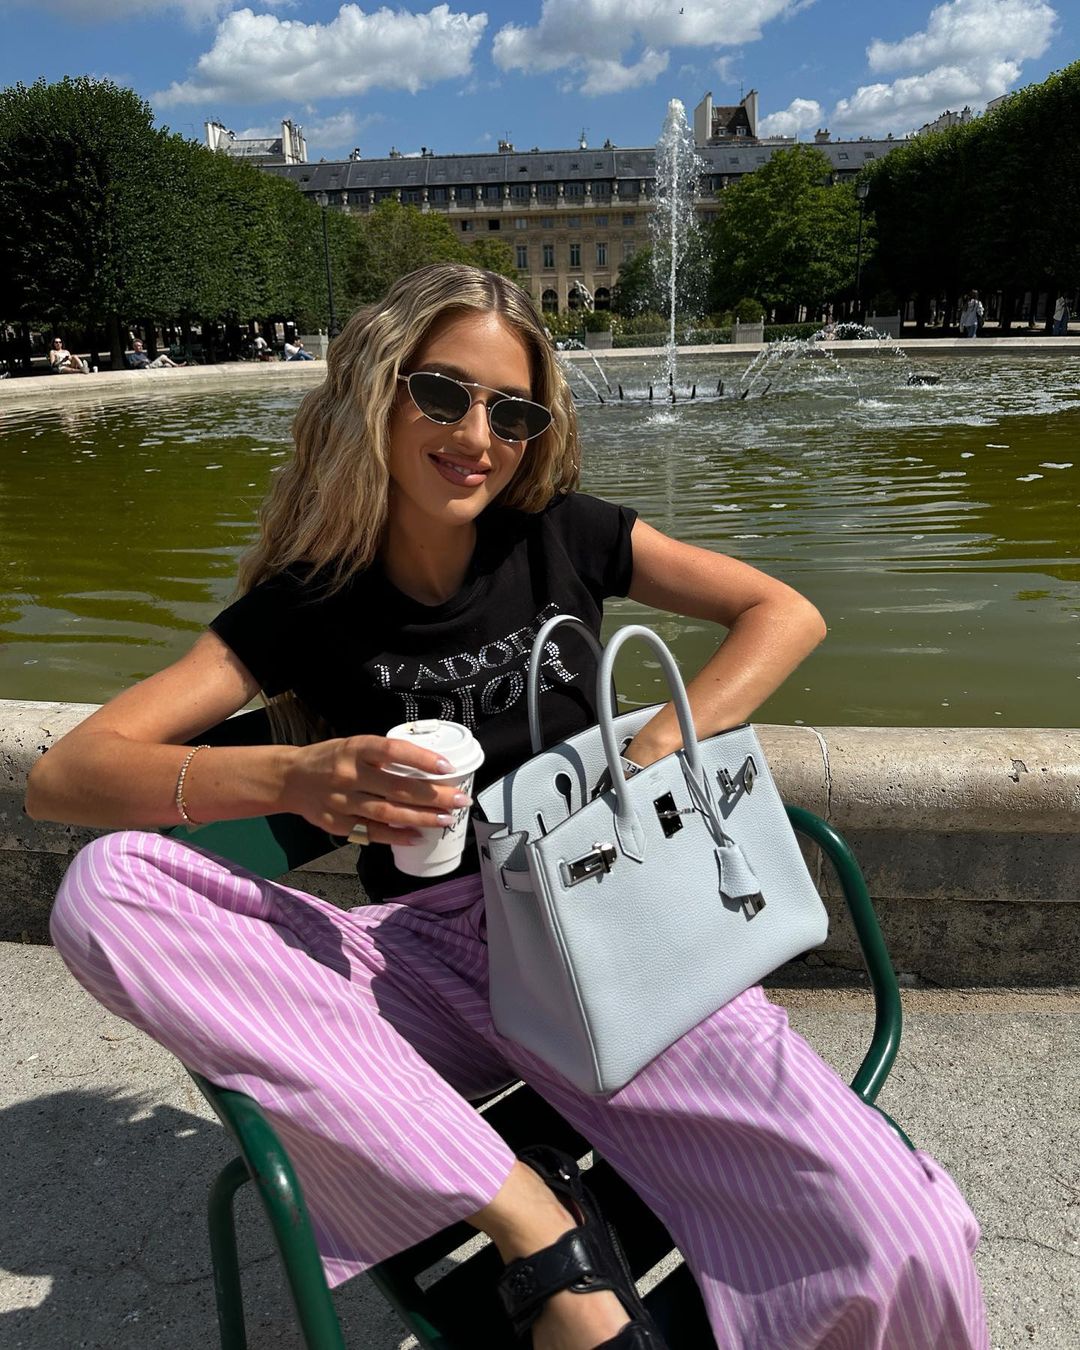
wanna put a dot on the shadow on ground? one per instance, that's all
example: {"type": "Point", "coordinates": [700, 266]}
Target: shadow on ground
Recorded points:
{"type": "Point", "coordinates": [103, 1232]}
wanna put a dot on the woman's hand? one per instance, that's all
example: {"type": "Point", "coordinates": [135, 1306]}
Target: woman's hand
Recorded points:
{"type": "Point", "coordinates": [339, 784]}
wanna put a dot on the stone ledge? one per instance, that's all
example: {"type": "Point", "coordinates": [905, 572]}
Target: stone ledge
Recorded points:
{"type": "Point", "coordinates": [969, 840]}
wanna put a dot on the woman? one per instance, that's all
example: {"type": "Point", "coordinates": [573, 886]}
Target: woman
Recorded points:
{"type": "Point", "coordinates": [62, 362]}
{"type": "Point", "coordinates": [426, 526]}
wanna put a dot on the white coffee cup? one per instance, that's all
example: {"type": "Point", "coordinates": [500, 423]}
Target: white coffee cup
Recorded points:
{"type": "Point", "coordinates": [438, 850]}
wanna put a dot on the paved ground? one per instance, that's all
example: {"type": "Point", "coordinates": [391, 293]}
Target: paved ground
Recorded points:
{"type": "Point", "coordinates": [107, 1151]}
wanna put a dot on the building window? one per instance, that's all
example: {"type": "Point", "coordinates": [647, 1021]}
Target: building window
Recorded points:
{"type": "Point", "coordinates": [438, 194]}
{"type": "Point", "coordinates": [549, 302]}
{"type": "Point", "coordinates": [575, 255]}
{"type": "Point", "coordinates": [493, 192]}
{"type": "Point", "coordinates": [601, 255]}
{"type": "Point", "coordinates": [573, 222]}
{"type": "Point", "coordinates": [494, 224]}
{"type": "Point", "coordinates": [600, 222]}
{"type": "Point", "coordinates": [522, 255]}
{"type": "Point", "coordinates": [467, 225]}
{"type": "Point", "coordinates": [549, 255]}
{"type": "Point", "coordinates": [521, 223]}
{"type": "Point", "coordinates": [546, 192]}
{"type": "Point", "coordinates": [602, 298]}
{"type": "Point", "coordinates": [411, 195]}
{"type": "Point", "coordinates": [843, 154]}
{"type": "Point", "coordinates": [464, 194]}
{"type": "Point", "coordinates": [547, 222]}
{"type": "Point", "coordinates": [602, 190]}
{"type": "Point", "coordinates": [627, 221]}
{"type": "Point", "coordinates": [520, 192]}
{"type": "Point", "coordinates": [575, 190]}
{"type": "Point", "coordinates": [628, 249]}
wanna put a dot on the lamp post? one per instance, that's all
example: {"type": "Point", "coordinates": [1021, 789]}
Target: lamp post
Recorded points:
{"type": "Point", "coordinates": [862, 187]}
{"type": "Point", "coordinates": [324, 202]}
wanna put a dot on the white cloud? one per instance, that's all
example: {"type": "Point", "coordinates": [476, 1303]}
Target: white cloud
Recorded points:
{"type": "Point", "coordinates": [913, 100]}
{"type": "Point", "coordinates": [969, 52]}
{"type": "Point", "coordinates": [351, 54]}
{"type": "Point", "coordinates": [800, 115]}
{"type": "Point", "coordinates": [339, 131]}
{"type": "Point", "coordinates": [968, 33]}
{"type": "Point", "coordinates": [612, 77]}
{"type": "Point", "coordinates": [569, 30]}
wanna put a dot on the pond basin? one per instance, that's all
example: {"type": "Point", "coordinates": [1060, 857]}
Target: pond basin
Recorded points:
{"type": "Point", "coordinates": [936, 526]}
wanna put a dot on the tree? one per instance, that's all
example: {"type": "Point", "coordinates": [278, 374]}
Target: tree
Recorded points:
{"type": "Point", "coordinates": [636, 291]}
{"type": "Point", "coordinates": [786, 234]}
{"type": "Point", "coordinates": [394, 240]}
{"type": "Point", "coordinates": [953, 208]}
{"type": "Point", "coordinates": [495, 255]}
{"type": "Point", "coordinates": [76, 169]}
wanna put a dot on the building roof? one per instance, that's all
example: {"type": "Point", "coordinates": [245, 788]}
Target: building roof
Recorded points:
{"type": "Point", "coordinates": [538, 166]}
{"type": "Point", "coordinates": [239, 148]}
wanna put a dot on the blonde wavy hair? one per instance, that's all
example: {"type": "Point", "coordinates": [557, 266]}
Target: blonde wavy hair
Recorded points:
{"type": "Point", "coordinates": [328, 506]}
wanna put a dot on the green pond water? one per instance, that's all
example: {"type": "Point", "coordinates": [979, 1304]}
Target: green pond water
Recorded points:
{"type": "Point", "coordinates": [937, 528]}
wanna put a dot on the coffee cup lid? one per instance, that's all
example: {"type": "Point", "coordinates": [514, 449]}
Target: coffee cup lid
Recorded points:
{"type": "Point", "coordinates": [449, 739]}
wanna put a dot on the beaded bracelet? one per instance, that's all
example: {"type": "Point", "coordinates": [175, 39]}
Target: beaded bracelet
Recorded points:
{"type": "Point", "coordinates": [180, 784]}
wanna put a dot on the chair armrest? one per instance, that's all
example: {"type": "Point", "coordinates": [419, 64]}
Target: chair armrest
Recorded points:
{"type": "Point", "coordinates": [888, 1013]}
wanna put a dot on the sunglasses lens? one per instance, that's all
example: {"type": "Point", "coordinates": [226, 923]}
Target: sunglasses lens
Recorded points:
{"type": "Point", "coordinates": [516, 419]}
{"type": "Point", "coordinates": [438, 397]}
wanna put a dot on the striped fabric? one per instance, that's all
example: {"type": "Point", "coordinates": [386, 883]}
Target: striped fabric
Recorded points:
{"type": "Point", "coordinates": [804, 1219]}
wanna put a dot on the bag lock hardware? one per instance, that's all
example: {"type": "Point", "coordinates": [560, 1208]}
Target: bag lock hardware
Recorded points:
{"type": "Point", "coordinates": [730, 787]}
{"type": "Point", "coordinates": [601, 858]}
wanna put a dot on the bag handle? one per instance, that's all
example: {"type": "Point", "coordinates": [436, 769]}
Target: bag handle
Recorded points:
{"type": "Point", "coordinates": [627, 826]}
{"type": "Point", "coordinates": [535, 733]}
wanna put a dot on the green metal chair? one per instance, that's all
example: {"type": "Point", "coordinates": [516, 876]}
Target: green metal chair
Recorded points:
{"type": "Point", "coordinates": [459, 1310]}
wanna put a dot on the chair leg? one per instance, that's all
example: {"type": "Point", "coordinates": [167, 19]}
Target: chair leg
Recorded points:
{"type": "Point", "coordinates": [227, 1288]}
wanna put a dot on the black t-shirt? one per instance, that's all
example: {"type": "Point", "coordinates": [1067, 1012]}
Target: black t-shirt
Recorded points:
{"type": "Point", "coordinates": [368, 657]}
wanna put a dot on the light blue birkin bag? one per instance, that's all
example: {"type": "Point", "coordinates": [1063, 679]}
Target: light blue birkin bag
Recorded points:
{"type": "Point", "coordinates": [622, 912]}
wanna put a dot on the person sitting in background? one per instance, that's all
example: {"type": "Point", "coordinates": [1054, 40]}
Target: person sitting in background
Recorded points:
{"type": "Point", "coordinates": [262, 348]}
{"type": "Point", "coordinates": [1061, 318]}
{"type": "Point", "coordinates": [294, 351]}
{"type": "Point", "coordinates": [140, 360]}
{"type": "Point", "coordinates": [61, 361]}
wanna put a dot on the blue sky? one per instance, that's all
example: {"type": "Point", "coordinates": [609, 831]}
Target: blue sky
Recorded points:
{"type": "Point", "coordinates": [458, 78]}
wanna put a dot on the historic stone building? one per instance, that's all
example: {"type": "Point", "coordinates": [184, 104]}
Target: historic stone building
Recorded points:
{"type": "Point", "coordinates": [288, 148]}
{"type": "Point", "coordinates": [571, 216]}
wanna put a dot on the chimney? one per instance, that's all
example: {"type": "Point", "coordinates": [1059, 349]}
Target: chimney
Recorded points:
{"type": "Point", "coordinates": [703, 120]}
{"type": "Point", "coordinates": [750, 104]}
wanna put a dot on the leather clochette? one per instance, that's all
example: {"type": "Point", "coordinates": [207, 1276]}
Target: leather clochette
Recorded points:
{"type": "Point", "coordinates": [584, 1260]}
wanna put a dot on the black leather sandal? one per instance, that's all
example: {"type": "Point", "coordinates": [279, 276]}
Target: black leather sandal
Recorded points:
{"type": "Point", "coordinates": [586, 1259]}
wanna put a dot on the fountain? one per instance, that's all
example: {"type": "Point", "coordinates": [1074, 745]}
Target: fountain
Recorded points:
{"type": "Point", "coordinates": [675, 242]}
{"type": "Point", "coordinates": [674, 229]}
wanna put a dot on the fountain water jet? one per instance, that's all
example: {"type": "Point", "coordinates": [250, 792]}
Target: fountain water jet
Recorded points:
{"type": "Point", "coordinates": [674, 230]}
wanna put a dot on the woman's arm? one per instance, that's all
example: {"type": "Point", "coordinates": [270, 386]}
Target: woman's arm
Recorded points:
{"type": "Point", "coordinates": [118, 769]}
{"type": "Point", "coordinates": [771, 630]}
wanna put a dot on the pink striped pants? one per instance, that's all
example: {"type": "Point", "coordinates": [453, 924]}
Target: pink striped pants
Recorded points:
{"type": "Point", "coordinates": [803, 1218]}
